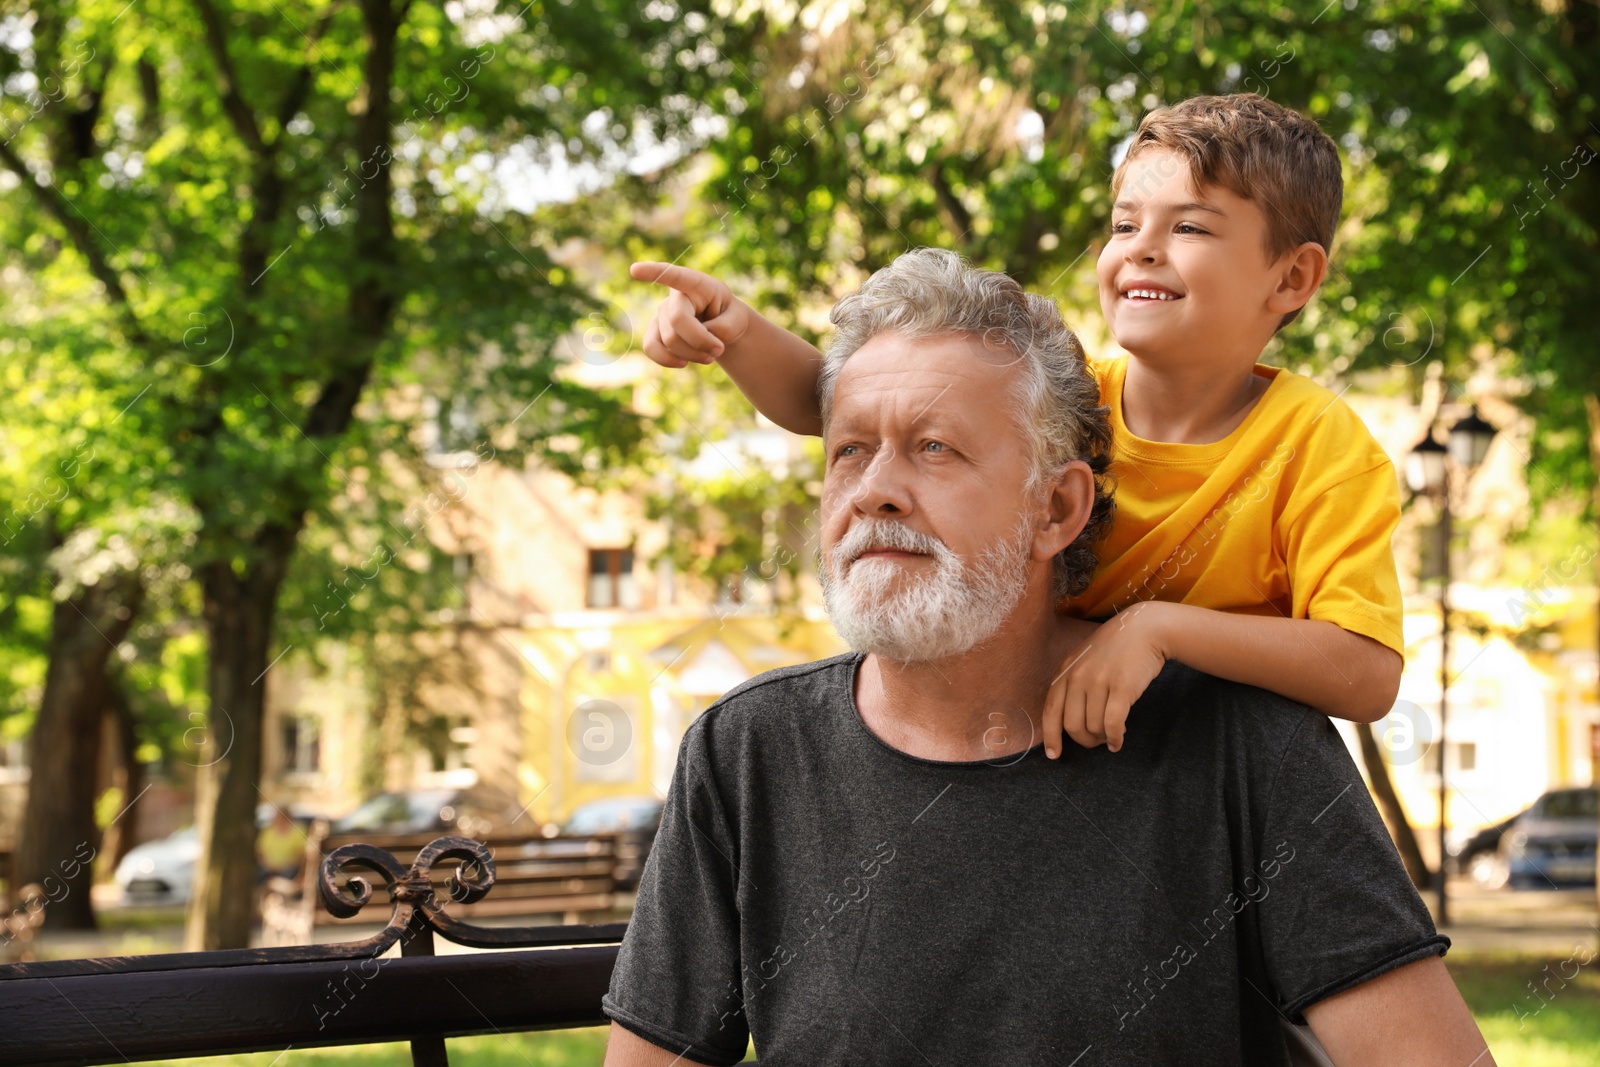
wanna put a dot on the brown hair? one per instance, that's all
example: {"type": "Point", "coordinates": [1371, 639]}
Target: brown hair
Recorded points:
{"type": "Point", "coordinates": [1256, 149]}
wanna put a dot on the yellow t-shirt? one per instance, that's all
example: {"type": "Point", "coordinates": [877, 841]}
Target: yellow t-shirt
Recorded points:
{"type": "Point", "coordinates": [1290, 514]}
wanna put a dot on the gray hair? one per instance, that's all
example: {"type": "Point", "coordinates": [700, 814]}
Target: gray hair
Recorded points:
{"type": "Point", "coordinates": [931, 292]}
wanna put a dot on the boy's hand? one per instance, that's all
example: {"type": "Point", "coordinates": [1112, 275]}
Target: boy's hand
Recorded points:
{"type": "Point", "coordinates": [697, 320]}
{"type": "Point", "coordinates": [1100, 680]}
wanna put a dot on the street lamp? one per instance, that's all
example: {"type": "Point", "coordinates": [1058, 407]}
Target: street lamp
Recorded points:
{"type": "Point", "coordinates": [1428, 468]}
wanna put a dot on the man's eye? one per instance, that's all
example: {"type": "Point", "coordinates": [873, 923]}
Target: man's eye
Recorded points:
{"type": "Point", "coordinates": [940, 445]}
{"type": "Point", "coordinates": [841, 450]}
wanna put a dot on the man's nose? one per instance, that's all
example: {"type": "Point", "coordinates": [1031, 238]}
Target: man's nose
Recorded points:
{"type": "Point", "coordinates": [883, 487]}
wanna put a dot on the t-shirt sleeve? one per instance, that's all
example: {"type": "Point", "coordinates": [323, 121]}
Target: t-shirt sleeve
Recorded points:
{"type": "Point", "coordinates": [1339, 908]}
{"type": "Point", "coordinates": [1340, 562]}
{"type": "Point", "coordinates": [676, 981]}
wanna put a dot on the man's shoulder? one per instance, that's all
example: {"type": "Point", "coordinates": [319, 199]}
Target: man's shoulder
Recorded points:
{"type": "Point", "coordinates": [1257, 723]}
{"type": "Point", "coordinates": [776, 693]}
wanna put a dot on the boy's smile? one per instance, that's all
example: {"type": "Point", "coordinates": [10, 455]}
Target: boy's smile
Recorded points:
{"type": "Point", "coordinates": [1141, 291]}
{"type": "Point", "coordinates": [1185, 274]}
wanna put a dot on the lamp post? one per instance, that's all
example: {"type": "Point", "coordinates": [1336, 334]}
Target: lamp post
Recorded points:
{"type": "Point", "coordinates": [1428, 470]}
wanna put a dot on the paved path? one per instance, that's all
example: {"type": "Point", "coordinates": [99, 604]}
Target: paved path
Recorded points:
{"type": "Point", "coordinates": [1549, 922]}
{"type": "Point", "coordinates": [1542, 921]}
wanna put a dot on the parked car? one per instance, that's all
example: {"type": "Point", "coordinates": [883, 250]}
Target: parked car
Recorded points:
{"type": "Point", "coordinates": [161, 871]}
{"type": "Point", "coordinates": [615, 814]}
{"type": "Point", "coordinates": [474, 811]}
{"type": "Point", "coordinates": [1477, 854]}
{"type": "Point", "coordinates": [635, 821]}
{"type": "Point", "coordinates": [1554, 841]}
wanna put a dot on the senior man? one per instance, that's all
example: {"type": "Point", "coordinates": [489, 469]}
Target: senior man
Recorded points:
{"type": "Point", "coordinates": [869, 859]}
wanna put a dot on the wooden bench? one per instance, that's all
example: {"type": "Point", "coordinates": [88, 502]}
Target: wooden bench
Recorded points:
{"type": "Point", "coordinates": [304, 996]}
{"type": "Point", "coordinates": [20, 919]}
{"type": "Point", "coordinates": [533, 875]}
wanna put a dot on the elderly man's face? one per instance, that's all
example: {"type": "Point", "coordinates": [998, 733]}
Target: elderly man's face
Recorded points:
{"type": "Point", "coordinates": [926, 538]}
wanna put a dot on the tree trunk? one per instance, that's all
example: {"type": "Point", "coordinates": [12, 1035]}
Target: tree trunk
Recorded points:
{"type": "Point", "coordinates": [240, 606]}
{"type": "Point", "coordinates": [1405, 838]}
{"type": "Point", "coordinates": [58, 839]}
{"type": "Point", "coordinates": [238, 614]}
{"type": "Point", "coordinates": [128, 777]}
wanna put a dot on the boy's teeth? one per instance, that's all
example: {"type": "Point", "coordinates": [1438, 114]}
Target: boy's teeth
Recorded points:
{"type": "Point", "coordinates": [1149, 294]}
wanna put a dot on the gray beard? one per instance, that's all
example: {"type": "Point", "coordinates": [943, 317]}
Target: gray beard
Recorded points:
{"type": "Point", "coordinates": [931, 617]}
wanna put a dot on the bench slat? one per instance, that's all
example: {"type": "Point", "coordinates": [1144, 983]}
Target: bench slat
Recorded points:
{"type": "Point", "coordinates": [202, 1011]}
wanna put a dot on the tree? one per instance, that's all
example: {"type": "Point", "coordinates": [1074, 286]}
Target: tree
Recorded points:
{"type": "Point", "coordinates": [284, 206]}
{"type": "Point", "coordinates": [76, 531]}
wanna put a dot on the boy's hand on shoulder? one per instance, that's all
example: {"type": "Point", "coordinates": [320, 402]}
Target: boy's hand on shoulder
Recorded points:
{"type": "Point", "coordinates": [1101, 678]}
{"type": "Point", "coordinates": [697, 321]}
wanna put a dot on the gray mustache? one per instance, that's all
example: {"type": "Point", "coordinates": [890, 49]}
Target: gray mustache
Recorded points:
{"type": "Point", "coordinates": [887, 534]}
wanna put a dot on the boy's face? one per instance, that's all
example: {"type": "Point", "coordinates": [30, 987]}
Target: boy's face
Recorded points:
{"type": "Point", "coordinates": [1185, 274]}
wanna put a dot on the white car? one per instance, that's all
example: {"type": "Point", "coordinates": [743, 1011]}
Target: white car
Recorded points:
{"type": "Point", "coordinates": [160, 872]}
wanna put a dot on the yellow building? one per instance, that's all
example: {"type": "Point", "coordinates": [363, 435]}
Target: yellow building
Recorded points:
{"type": "Point", "coordinates": [1523, 711]}
{"type": "Point", "coordinates": [605, 702]}
{"type": "Point", "coordinates": [571, 664]}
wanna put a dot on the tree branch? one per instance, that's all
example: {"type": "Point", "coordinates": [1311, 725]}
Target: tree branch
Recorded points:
{"type": "Point", "coordinates": [77, 228]}
{"type": "Point", "coordinates": [372, 297]}
{"type": "Point", "coordinates": [295, 98]}
{"type": "Point", "coordinates": [956, 215]}
{"type": "Point", "coordinates": [233, 104]}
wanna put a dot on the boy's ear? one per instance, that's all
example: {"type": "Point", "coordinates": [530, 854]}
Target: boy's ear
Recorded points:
{"type": "Point", "coordinates": [1303, 270]}
{"type": "Point", "coordinates": [1067, 507]}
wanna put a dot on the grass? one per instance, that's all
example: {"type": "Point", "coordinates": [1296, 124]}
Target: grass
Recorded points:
{"type": "Point", "coordinates": [1561, 1028]}
{"type": "Point", "coordinates": [557, 1048]}
{"type": "Point", "coordinates": [562, 1048]}
{"type": "Point", "coordinates": [1558, 1027]}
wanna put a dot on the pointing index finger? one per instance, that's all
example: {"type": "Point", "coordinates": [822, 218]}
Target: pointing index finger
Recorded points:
{"type": "Point", "coordinates": [686, 280]}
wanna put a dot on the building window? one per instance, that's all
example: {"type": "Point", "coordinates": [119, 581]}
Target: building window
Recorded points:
{"type": "Point", "coordinates": [1466, 756]}
{"type": "Point", "coordinates": [302, 745]}
{"type": "Point", "coordinates": [611, 578]}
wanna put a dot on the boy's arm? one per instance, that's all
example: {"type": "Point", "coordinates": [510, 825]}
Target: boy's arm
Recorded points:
{"type": "Point", "coordinates": [1342, 674]}
{"type": "Point", "coordinates": [701, 321]}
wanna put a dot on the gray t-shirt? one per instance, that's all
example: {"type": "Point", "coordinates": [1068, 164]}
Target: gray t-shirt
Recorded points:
{"type": "Point", "coordinates": [842, 902]}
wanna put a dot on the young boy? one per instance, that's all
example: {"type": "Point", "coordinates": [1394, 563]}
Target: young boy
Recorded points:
{"type": "Point", "coordinates": [1254, 510]}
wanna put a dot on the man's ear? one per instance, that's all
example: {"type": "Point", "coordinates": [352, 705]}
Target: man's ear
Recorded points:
{"type": "Point", "coordinates": [1301, 274]}
{"type": "Point", "coordinates": [1066, 510]}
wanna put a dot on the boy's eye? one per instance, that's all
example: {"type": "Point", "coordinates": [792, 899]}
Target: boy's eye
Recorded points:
{"type": "Point", "coordinates": [1122, 227]}
{"type": "Point", "coordinates": [1189, 227]}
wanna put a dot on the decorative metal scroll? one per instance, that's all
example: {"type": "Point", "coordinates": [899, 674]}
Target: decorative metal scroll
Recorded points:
{"type": "Point", "coordinates": [415, 901]}
{"type": "Point", "coordinates": [415, 907]}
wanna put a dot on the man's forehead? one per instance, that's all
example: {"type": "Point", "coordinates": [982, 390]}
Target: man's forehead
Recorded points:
{"type": "Point", "coordinates": [909, 409]}
{"type": "Point", "coordinates": [942, 357]}
{"type": "Point", "coordinates": [947, 380]}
